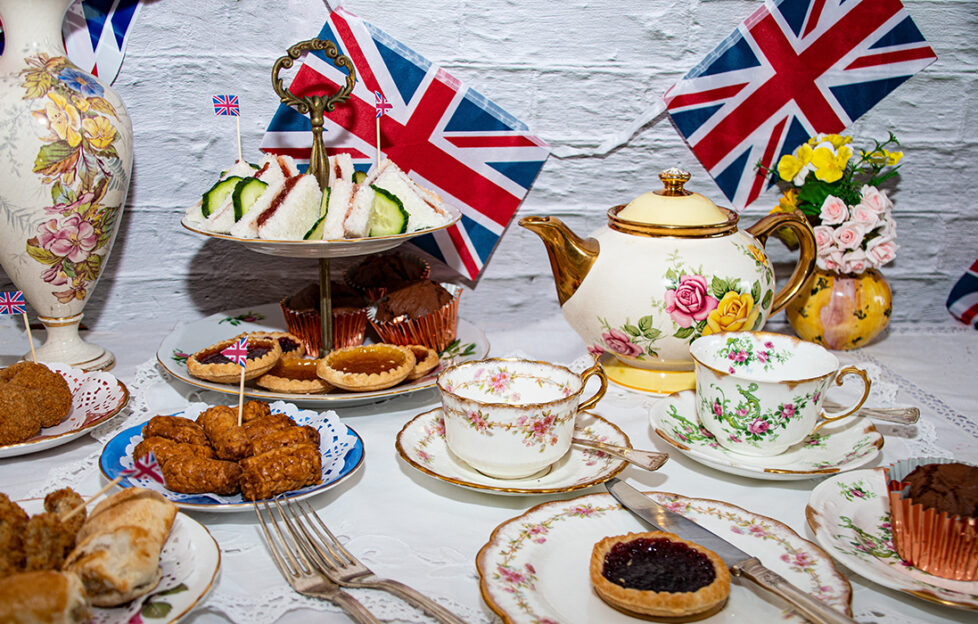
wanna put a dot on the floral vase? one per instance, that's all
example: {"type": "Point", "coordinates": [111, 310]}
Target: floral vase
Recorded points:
{"type": "Point", "coordinates": [841, 311]}
{"type": "Point", "coordinates": [65, 162]}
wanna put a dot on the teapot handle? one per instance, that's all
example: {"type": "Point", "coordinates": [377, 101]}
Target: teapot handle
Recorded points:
{"type": "Point", "coordinates": [797, 223]}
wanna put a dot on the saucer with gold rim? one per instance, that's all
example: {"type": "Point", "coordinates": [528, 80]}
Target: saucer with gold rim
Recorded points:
{"type": "Point", "coordinates": [421, 444]}
{"type": "Point", "coordinates": [834, 448]}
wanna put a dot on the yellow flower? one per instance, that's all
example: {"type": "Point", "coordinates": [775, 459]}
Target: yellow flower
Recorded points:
{"type": "Point", "coordinates": [99, 131]}
{"type": "Point", "coordinates": [791, 165]}
{"type": "Point", "coordinates": [81, 104]}
{"type": "Point", "coordinates": [757, 253]}
{"type": "Point", "coordinates": [787, 202]}
{"type": "Point", "coordinates": [63, 118]}
{"type": "Point", "coordinates": [735, 312]}
{"type": "Point", "coordinates": [893, 158]}
{"type": "Point", "coordinates": [828, 166]}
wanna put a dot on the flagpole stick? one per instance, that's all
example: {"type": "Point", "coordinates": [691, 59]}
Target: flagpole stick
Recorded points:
{"type": "Point", "coordinates": [92, 497]}
{"type": "Point", "coordinates": [30, 339]}
{"type": "Point", "coordinates": [237, 124]}
{"type": "Point", "coordinates": [241, 397]}
{"type": "Point", "coordinates": [378, 143]}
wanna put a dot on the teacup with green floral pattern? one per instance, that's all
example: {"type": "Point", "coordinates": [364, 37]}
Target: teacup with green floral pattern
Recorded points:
{"type": "Point", "coordinates": [511, 418]}
{"type": "Point", "coordinates": [759, 393]}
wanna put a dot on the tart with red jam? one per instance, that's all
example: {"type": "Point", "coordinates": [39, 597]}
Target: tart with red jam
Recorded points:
{"type": "Point", "coordinates": [368, 367]}
{"type": "Point", "coordinates": [292, 345]}
{"type": "Point", "coordinates": [659, 575]}
{"type": "Point", "coordinates": [211, 365]}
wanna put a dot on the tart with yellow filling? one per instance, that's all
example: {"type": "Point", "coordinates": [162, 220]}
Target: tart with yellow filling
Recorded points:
{"type": "Point", "coordinates": [368, 367]}
{"type": "Point", "coordinates": [659, 575]}
{"type": "Point", "coordinates": [426, 360]}
{"type": "Point", "coordinates": [294, 375]}
{"type": "Point", "coordinates": [211, 365]}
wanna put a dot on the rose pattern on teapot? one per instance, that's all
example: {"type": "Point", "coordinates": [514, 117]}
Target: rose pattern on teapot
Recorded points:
{"type": "Point", "coordinates": [695, 304]}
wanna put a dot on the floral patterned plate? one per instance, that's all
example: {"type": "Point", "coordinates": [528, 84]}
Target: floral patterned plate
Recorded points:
{"type": "Point", "coordinates": [185, 339]}
{"type": "Point", "coordinates": [535, 566]}
{"type": "Point", "coordinates": [96, 397]}
{"type": "Point", "coordinates": [834, 448]}
{"type": "Point", "coordinates": [421, 443]}
{"type": "Point", "coordinates": [850, 517]}
{"type": "Point", "coordinates": [189, 564]}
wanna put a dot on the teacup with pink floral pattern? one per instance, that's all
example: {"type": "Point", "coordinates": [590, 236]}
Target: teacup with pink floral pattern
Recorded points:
{"type": "Point", "coordinates": [511, 418]}
{"type": "Point", "coordinates": [760, 393]}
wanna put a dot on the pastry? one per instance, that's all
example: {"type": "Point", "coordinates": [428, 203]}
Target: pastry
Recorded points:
{"type": "Point", "coordinates": [934, 512]}
{"type": "Point", "coordinates": [280, 470]}
{"type": "Point", "coordinates": [176, 428]}
{"type": "Point", "coordinates": [50, 596]}
{"type": "Point", "coordinates": [209, 364]}
{"type": "Point", "coordinates": [421, 313]}
{"type": "Point", "coordinates": [301, 312]}
{"type": "Point", "coordinates": [189, 474]}
{"type": "Point", "coordinates": [426, 360]}
{"type": "Point", "coordinates": [659, 575]}
{"type": "Point", "coordinates": [294, 376]}
{"type": "Point", "coordinates": [366, 368]}
{"type": "Point", "coordinates": [228, 438]}
{"type": "Point", "coordinates": [292, 345]}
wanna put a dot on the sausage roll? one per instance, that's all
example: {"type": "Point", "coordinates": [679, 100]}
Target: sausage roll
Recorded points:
{"type": "Point", "coordinates": [220, 423]}
{"type": "Point", "coordinates": [175, 428]}
{"type": "Point", "coordinates": [284, 437]}
{"type": "Point", "coordinates": [197, 475]}
{"type": "Point", "coordinates": [280, 470]}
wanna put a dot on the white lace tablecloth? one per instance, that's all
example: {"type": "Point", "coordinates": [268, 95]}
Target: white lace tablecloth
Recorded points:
{"type": "Point", "coordinates": [427, 533]}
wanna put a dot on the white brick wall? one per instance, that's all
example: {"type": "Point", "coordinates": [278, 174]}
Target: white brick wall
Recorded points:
{"type": "Point", "coordinates": [576, 71]}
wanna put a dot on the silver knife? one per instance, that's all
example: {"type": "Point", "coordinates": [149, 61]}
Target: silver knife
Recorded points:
{"type": "Point", "coordinates": [740, 563]}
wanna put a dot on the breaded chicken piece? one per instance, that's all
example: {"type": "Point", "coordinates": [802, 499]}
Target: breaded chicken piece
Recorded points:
{"type": "Point", "coordinates": [48, 390]}
{"type": "Point", "coordinates": [19, 420]}
{"type": "Point", "coordinates": [47, 541]}
{"type": "Point", "coordinates": [64, 501]}
{"type": "Point", "coordinates": [13, 522]}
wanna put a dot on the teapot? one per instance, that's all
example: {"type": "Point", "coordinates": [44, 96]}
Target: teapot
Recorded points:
{"type": "Point", "coordinates": [668, 267]}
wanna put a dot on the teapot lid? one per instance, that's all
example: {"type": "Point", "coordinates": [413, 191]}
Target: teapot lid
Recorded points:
{"type": "Point", "coordinates": [673, 205]}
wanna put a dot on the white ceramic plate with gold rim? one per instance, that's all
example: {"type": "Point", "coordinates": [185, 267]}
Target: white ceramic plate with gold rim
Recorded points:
{"type": "Point", "coordinates": [534, 567]}
{"type": "Point", "coordinates": [188, 338]}
{"type": "Point", "coordinates": [96, 397]}
{"type": "Point", "coordinates": [421, 443]}
{"type": "Point", "coordinates": [338, 248]}
{"type": "Point", "coordinates": [850, 517]}
{"type": "Point", "coordinates": [834, 448]}
{"type": "Point", "coordinates": [189, 563]}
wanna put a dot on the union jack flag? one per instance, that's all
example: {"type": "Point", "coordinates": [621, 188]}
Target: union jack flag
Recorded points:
{"type": "Point", "coordinates": [383, 104]}
{"type": "Point", "coordinates": [96, 33]}
{"type": "Point", "coordinates": [237, 352]}
{"type": "Point", "coordinates": [962, 303]}
{"type": "Point", "coordinates": [144, 467]}
{"type": "Point", "coordinates": [791, 70]}
{"type": "Point", "coordinates": [445, 135]}
{"type": "Point", "coordinates": [12, 302]}
{"type": "Point", "coordinates": [226, 105]}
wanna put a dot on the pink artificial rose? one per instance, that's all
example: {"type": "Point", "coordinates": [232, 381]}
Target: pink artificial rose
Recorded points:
{"type": "Point", "coordinates": [74, 238]}
{"type": "Point", "coordinates": [881, 250]}
{"type": "Point", "coordinates": [849, 235]}
{"type": "Point", "coordinates": [619, 342]}
{"type": "Point", "coordinates": [830, 261]}
{"type": "Point", "coordinates": [823, 237]}
{"type": "Point", "coordinates": [875, 199]}
{"type": "Point", "coordinates": [690, 302]}
{"type": "Point", "coordinates": [888, 226]}
{"type": "Point", "coordinates": [865, 216]}
{"type": "Point", "coordinates": [855, 261]}
{"type": "Point", "coordinates": [834, 211]}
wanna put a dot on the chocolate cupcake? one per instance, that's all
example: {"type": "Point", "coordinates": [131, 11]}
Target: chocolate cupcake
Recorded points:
{"type": "Point", "coordinates": [379, 274]}
{"type": "Point", "coordinates": [420, 313]}
{"type": "Point", "coordinates": [934, 513]}
{"type": "Point", "coordinates": [301, 312]}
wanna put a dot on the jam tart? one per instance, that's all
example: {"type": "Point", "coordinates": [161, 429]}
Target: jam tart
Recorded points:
{"type": "Point", "coordinates": [292, 345]}
{"type": "Point", "coordinates": [426, 360]}
{"type": "Point", "coordinates": [209, 364]}
{"type": "Point", "coordinates": [659, 575]}
{"type": "Point", "coordinates": [367, 367]}
{"type": "Point", "coordinates": [294, 375]}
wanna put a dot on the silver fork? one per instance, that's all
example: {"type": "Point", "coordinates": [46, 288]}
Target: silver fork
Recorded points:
{"type": "Point", "coordinates": [343, 568]}
{"type": "Point", "coordinates": [290, 558]}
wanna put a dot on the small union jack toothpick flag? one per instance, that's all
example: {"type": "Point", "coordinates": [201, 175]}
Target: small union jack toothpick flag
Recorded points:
{"type": "Point", "coordinates": [962, 303]}
{"type": "Point", "coordinates": [226, 105]}
{"type": "Point", "coordinates": [238, 352]}
{"type": "Point", "coordinates": [12, 302]}
{"type": "Point", "coordinates": [144, 467]}
{"type": "Point", "coordinates": [383, 106]}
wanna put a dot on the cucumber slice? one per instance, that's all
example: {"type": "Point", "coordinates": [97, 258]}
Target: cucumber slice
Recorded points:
{"type": "Point", "coordinates": [387, 215]}
{"type": "Point", "coordinates": [245, 194]}
{"type": "Point", "coordinates": [359, 176]}
{"type": "Point", "coordinates": [215, 196]}
{"type": "Point", "coordinates": [316, 231]}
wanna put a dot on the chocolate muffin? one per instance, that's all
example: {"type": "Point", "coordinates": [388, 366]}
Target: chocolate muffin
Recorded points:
{"type": "Point", "coordinates": [379, 274]}
{"type": "Point", "coordinates": [301, 312]}
{"type": "Point", "coordinates": [420, 313]}
{"type": "Point", "coordinates": [949, 488]}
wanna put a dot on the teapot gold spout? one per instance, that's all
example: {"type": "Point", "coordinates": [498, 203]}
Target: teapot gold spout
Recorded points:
{"type": "Point", "coordinates": [571, 256]}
